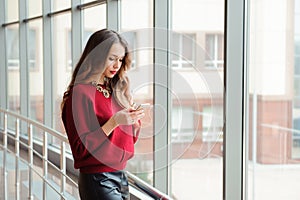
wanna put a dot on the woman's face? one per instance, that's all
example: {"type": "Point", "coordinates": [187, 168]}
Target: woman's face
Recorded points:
{"type": "Point", "coordinates": [114, 61]}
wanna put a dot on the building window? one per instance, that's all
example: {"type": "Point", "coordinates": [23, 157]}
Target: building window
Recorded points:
{"type": "Point", "coordinates": [183, 47]}
{"type": "Point", "coordinates": [212, 124]}
{"type": "Point", "coordinates": [182, 124]}
{"type": "Point", "coordinates": [214, 50]}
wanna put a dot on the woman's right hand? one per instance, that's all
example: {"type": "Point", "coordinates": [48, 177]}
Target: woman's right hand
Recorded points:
{"type": "Point", "coordinates": [128, 116]}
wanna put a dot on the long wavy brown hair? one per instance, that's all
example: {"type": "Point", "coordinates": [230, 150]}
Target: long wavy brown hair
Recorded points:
{"type": "Point", "coordinates": [92, 64]}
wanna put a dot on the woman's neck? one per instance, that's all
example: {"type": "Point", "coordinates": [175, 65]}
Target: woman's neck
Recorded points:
{"type": "Point", "coordinates": [101, 80]}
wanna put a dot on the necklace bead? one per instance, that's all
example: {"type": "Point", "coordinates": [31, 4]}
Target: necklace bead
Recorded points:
{"type": "Point", "coordinates": [99, 88]}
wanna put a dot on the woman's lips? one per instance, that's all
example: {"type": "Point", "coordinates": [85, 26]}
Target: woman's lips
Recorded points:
{"type": "Point", "coordinates": [113, 72]}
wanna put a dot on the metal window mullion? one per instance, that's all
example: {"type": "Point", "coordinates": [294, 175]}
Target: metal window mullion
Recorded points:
{"type": "Point", "coordinates": [113, 19]}
{"type": "Point", "coordinates": [90, 4]}
{"type": "Point", "coordinates": [30, 162]}
{"type": "Point", "coordinates": [62, 169]}
{"type": "Point", "coordinates": [17, 154]}
{"type": "Point", "coordinates": [234, 80]}
{"type": "Point", "coordinates": [45, 164]}
{"type": "Point", "coordinates": [3, 61]}
{"type": "Point", "coordinates": [47, 64]}
{"type": "Point", "coordinates": [77, 29]}
{"type": "Point", "coordinates": [48, 91]}
{"type": "Point", "coordinates": [161, 95]}
{"type": "Point", "coordinates": [5, 172]}
{"type": "Point", "coordinates": [24, 74]}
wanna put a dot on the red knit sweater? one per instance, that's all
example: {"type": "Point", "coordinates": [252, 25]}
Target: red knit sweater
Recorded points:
{"type": "Point", "coordinates": [83, 114]}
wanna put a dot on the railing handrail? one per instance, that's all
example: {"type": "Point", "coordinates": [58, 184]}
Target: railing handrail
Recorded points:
{"type": "Point", "coordinates": [43, 127]}
{"type": "Point", "coordinates": [135, 181]}
{"type": "Point", "coordinates": [147, 188]}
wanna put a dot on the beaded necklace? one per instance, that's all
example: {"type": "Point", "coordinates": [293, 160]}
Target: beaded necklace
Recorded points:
{"type": "Point", "coordinates": [99, 88]}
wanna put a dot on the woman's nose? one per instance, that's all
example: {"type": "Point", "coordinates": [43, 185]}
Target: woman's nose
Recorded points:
{"type": "Point", "coordinates": [117, 64]}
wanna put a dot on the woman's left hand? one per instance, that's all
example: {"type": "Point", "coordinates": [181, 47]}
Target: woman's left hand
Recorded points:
{"type": "Point", "coordinates": [136, 115]}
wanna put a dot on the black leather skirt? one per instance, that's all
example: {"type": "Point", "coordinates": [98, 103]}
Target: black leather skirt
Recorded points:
{"type": "Point", "coordinates": [103, 186]}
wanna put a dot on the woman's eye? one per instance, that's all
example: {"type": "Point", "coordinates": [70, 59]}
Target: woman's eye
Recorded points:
{"type": "Point", "coordinates": [111, 59]}
{"type": "Point", "coordinates": [121, 60]}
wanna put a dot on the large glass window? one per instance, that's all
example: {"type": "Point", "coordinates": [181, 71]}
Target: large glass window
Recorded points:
{"type": "Point", "coordinates": [136, 28]}
{"type": "Point", "coordinates": [197, 99]}
{"type": "Point", "coordinates": [274, 100]}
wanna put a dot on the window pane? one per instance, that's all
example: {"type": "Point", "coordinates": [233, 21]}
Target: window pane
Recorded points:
{"type": "Point", "coordinates": [60, 5]}
{"type": "Point", "coordinates": [274, 147]}
{"type": "Point", "coordinates": [13, 65]}
{"type": "Point", "coordinates": [61, 70]}
{"type": "Point", "coordinates": [13, 70]}
{"type": "Point", "coordinates": [134, 26]}
{"type": "Point", "coordinates": [35, 66]}
{"type": "Point", "coordinates": [90, 24]}
{"type": "Point", "coordinates": [12, 10]}
{"type": "Point", "coordinates": [133, 18]}
{"type": "Point", "coordinates": [34, 8]}
{"type": "Point", "coordinates": [197, 158]}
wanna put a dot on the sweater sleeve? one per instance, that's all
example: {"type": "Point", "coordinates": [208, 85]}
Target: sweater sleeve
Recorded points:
{"type": "Point", "coordinates": [84, 131]}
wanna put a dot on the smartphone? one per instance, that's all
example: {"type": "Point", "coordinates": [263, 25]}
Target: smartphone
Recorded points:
{"type": "Point", "coordinates": [143, 105]}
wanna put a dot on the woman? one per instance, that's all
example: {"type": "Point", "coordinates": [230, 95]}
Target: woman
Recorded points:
{"type": "Point", "coordinates": [99, 117]}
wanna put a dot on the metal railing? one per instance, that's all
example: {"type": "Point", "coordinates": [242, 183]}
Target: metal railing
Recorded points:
{"type": "Point", "coordinates": [16, 137]}
{"type": "Point", "coordinates": [135, 183]}
{"type": "Point", "coordinates": [146, 188]}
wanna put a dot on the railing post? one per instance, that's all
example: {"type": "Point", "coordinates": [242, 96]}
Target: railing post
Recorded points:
{"type": "Point", "coordinates": [63, 168]}
{"type": "Point", "coordinates": [30, 160]}
{"type": "Point", "coordinates": [4, 156]}
{"type": "Point", "coordinates": [17, 153]}
{"type": "Point", "coordinates": [45, 164]}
